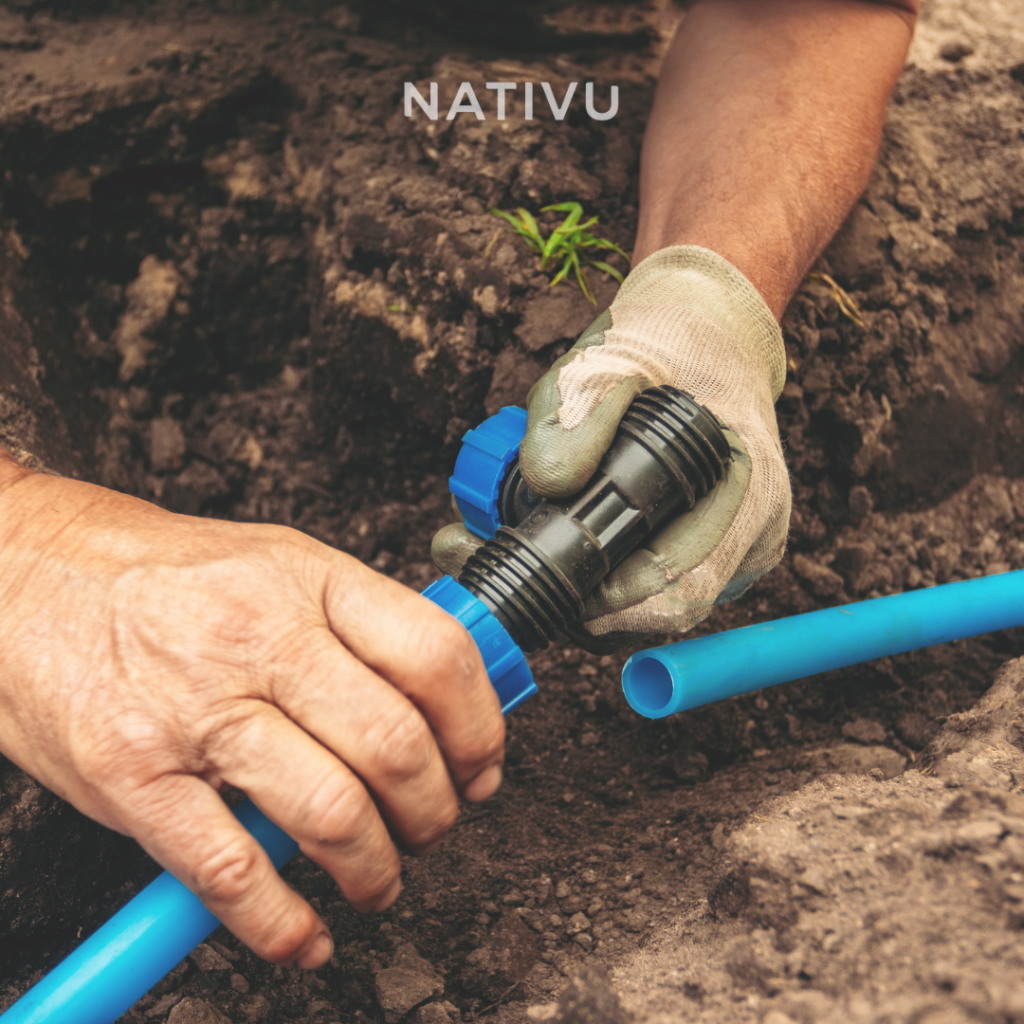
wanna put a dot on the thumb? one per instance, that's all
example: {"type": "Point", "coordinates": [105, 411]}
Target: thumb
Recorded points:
{"type": "Point", "coordinates": [451, 548]}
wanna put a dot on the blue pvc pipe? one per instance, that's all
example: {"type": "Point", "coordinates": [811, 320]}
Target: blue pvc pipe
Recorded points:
{"type": "Point", "coordinates": [127, 956]}
{"type": "Point", "coordinates": [665, 680]}
{"type": "Point", "coordinates": [120, 962]}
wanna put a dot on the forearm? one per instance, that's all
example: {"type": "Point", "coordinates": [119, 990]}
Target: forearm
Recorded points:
{"type": "Point", "coordinates": [10, 469]}
{"type": "Point", "coordinates": [765, 128]}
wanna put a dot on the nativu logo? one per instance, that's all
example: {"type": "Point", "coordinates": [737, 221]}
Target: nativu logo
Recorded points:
{"type": "Point", "coordinates": [466, 101]}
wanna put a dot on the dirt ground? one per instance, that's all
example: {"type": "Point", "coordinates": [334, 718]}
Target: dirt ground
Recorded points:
{"type": "Point", "coordinates": [239, 282]}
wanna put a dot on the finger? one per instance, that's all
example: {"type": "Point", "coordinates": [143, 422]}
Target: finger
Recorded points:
{"type": "Point", "coordinates": [451, 548]}
{"type": "Point", "coordinates": [363, 721]}
{"type": "Point", "coordinates": [557, 462]}
{"type": "Point", "coordinates": [428, 656]}
{"type": "Point", "coordinates": [679, 547]}
{"type": "Point", "coordinates": [187, 828]}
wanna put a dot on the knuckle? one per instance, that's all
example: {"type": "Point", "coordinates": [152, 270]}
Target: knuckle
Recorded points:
{"type": "Point", "coordinates": [338, 812]}
{"type": "Point", "coordinates": [406, 748]}
{"type": "Point", "coordinates": [448, 649]}
{"type": "Point", "coordinates": [490, 739]}
{"type": "Point", "coordinates": [228, 875]}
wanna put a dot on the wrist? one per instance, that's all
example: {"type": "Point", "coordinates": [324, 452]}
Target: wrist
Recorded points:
{"type": "Point", "coordinates": [715, 292]}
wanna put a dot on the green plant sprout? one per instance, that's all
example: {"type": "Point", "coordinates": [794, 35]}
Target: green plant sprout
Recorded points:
{"type": "Point", "coordinates": [566, 243]}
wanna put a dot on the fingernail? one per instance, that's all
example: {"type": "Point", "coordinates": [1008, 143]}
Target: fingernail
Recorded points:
{"type": "Point", "coordinates": [485, 784]}
{"type": "Point", "coordinates": [318, 953]}
{"type": "Point", "coordinates": [389, 897]}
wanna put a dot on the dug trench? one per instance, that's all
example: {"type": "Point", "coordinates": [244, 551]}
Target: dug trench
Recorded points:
{"type": "Point", "coordinates": [239, 282]}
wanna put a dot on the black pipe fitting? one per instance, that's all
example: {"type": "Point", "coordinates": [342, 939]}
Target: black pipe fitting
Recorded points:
{"type": "Point", "coordinates": [536, 572]}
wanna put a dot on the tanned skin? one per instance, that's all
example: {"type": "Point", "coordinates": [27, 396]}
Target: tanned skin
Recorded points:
{"type": "Point", "coordinates": [151, 659]}
{"type": "Point", "coordinates": [765, 127]}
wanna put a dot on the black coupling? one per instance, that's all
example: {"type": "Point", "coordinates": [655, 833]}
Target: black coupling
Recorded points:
{"type": "Point", "coordinates": [548, 555]}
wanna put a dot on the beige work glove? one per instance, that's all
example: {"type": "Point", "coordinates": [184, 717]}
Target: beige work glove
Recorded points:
{"type": "Point", "coordinates": [687, 317]}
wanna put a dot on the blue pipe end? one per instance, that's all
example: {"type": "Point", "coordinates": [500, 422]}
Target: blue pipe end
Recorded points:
{"type": "Point", "coordinates": [648, 685]}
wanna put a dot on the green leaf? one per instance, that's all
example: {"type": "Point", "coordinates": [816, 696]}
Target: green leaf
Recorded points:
{"type": "Point", "coordinates": [560, 276]}
{"type": "Point", "coordinates": [607, 268]}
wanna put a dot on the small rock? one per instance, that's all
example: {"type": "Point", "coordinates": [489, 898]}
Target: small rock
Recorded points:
{"type": "Point", "coordinates": [588, 877]}
{"type": "Point", "coordinates": [864, 730]}
{"type": "Point", "coordinates": [562, 313]}
{"type": "Point", "coordinates": [506, 958]}
{"type": "Point", "coordinates": [562, 890]}
{"type": "Point", "coordinates": [822, 580]}
{"type": "Point", "coordinates": [590, 999]}
{"type": "Point", "coordinates": [410, 981]}
{"type": "Point", "coordinates": [955, 52]}
{"type": "Point", "coordinates": [158, 1009]}
{"type": "Point", "coordinates": [542, 890]}
{"type": "Point", "coordinates": [916, 730]}
{"type": "Point", "coordinates": [208, 959]}
{"type": "Point", "coordinates": [432, 1013]}
{"type": "Point", "coordinates": [195, 1011]}
{"type": "Point", "coordinates": [166, 444]}
{"type": "Point", "coordinates": [544, 1012]}
{"type": "Point", "coordinates": [239, 984]}
{"type": "Point", "coordinates": [579, 922]}
{"type": "Point", "coordinates": [861, 502]}
{"type": "Point", "coordinates": [584, 940]}
{"type": "Point", "coordinates": [219, 947]}
{"type": "Point", "coordinates": [256, 1009]}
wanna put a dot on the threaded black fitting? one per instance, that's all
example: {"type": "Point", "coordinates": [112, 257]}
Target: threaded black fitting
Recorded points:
{"type": "Point", "coordinates": [535, 573]}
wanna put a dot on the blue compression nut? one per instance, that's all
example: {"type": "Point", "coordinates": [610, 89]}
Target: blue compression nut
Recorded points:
{"type": "Point", "coordinates": [486, 454]}
{"type": "Point", "coordinates": [505, 663]}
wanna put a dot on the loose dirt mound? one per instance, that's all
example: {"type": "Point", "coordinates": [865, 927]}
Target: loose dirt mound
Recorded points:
{"type": "Point", "coordinates": [239, 282]}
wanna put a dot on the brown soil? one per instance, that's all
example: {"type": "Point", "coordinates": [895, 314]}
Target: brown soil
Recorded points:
{"type": "Point", "coordinates": [239, 282]}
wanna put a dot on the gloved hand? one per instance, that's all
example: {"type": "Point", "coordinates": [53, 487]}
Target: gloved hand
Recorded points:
{"type": "Point", "coordinates": [687, 317]}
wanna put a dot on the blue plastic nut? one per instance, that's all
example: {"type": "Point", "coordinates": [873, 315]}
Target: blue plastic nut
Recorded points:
{"type": "Point", "coordinates": [486, 454]}
{"type": "Point", "coordinates": [505, 663]}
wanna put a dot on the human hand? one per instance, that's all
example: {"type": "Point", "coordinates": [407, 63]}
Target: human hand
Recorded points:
{"type": "Point", "coordinates": [150, 660]}
{"type": "Point", "coordinates": [685, 317]}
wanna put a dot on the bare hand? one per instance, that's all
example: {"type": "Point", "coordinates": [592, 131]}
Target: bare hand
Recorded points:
{"type": "Point", "coordinates": [150, 660]}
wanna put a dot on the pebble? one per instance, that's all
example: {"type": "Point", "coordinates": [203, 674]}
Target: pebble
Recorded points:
{"type": "Point", "coordinates": [160, 1008]}
{"type": "Point", "coordinates": [588, 877]}
{"type": "Point", "coordinates": [579, 922]}
{"type": "Point", "coordinates": [410, 981]}
{"type": "Point", "coordinates": [208, 959]}
{"type": "Point", "coordinates": [562, 890]}
{"type": "Point", "coordinates": [864, 730]}
{"type": "Point", "coordinates": [239, 984]}
{"type": "Point", "coordinates": [195, 1011]}
{"type": "Point", "coordinates": [584, 940]}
